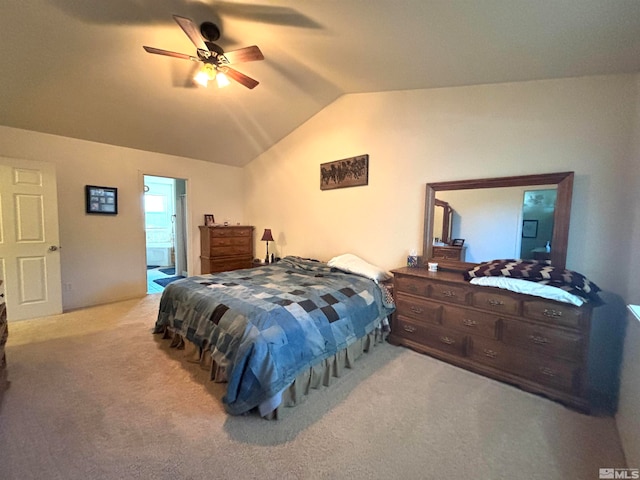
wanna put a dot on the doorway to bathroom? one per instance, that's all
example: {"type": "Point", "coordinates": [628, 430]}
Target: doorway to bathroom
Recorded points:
{"type": "Point", "coordinates": [165, 213]}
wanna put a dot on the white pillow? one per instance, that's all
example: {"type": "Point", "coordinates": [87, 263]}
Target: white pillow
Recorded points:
{"type": "Point", "coordinates": [530, 288]}
{"type": "Point", "coordinates": [353, 264]}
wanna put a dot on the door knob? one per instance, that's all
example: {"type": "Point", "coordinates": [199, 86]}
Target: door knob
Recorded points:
{"type": "Point", "coordinates": [53, 248]}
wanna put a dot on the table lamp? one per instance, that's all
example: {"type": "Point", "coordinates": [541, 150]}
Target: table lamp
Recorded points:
{"type": "Point", "coordinates": [267, 237]}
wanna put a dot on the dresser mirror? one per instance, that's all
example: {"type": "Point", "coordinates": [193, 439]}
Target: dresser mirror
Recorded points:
{"type": "Point", "coordinates": [442, 218]}
{"type": "Point", "coordinates": [494, 227]}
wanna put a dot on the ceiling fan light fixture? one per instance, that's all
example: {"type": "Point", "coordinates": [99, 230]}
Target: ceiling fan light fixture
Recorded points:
{"type": "Point", "coordinates": [205, 74]}
{"type": "Point", "coordinates": [222, 80]}
{"type": "Point", "coordinates": [201, 78]}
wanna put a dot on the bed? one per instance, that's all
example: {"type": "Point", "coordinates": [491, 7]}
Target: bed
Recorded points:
{"type": "Point", "coordinates": [267, 328]}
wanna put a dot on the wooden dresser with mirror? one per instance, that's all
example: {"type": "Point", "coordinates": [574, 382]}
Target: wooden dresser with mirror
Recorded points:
{"type": "Point", "coordinates": [537, 344]}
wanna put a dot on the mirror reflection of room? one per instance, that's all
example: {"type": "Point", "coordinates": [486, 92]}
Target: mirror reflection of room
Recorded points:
{"type": "Point", "coordinates": [491, 221]}
{"type": "Point", "coordinates": [537, 210]}
{"type": "Point", "coordinates": [443, 246]}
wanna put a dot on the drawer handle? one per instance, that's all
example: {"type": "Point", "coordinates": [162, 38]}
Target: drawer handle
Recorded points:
{"type": "Point", "coordinates": [551, 313]}
{"type": "Point", "coordinates": [538, 340]}
{"type": "Point", "coordinates": [467, 322]}
{"type": "Point", "coordinates": [448, 293]}
{"type": "Point", "coordinates": [490, 353]}
{"type": "Point", "coordinates": [412, 288]}
{"type": "Point", "coordinates": [409, 328]}
{"type": "Point", "coordinates": [547, 372]}
{"type": "Point", "coordinates": [415, 309]}
{"type": "Point", "coordinates": [495, 303]}
{"type": "Point", "coordinates": [447, 340]}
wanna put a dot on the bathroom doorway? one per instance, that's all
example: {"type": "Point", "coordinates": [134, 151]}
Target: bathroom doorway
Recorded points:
{"type": "Point", "coordinates": [165, 210]}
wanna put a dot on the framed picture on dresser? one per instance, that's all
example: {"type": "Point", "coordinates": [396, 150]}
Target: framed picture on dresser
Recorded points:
{"type": "Point", "coordinates": [209, 221]}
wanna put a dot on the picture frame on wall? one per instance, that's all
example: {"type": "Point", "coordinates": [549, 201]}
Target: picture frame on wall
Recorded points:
{"type": "Point", "coordinates": [101, 200]}
{"type": "Point", "coordinates": [348, 172]}
{"type": "Point", "coordinates": [529, 228]}
{"type": "Point", "coordinates": [209, 220]}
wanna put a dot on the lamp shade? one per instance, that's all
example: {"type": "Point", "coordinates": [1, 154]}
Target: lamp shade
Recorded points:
{"type": "Point", "coordinates": [266, 236]}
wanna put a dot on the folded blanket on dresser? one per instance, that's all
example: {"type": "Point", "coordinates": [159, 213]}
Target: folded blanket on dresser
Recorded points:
{"type": "Point", "coordinates": [541, 272]}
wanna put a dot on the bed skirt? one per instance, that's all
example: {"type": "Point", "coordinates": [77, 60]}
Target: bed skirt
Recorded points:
{"type": "Point", "coordinates": [321, 374]}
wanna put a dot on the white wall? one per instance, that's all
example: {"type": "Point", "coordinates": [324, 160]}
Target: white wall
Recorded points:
{"type": "Point", "coordinates": [628, 416]}
{"type": "Point", "coordinates": [413, 137]}
{"type": "Point", "coordinates": [633, 205]}
{"type": "Point", "coordinates": [103, 257]}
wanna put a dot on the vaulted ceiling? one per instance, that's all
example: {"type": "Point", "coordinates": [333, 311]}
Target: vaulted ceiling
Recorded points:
{"type": "Point", "coordinates": [77, 68]}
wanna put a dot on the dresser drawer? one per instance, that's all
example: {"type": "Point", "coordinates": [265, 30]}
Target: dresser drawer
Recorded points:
{"type": "Point", "coordinates": [491, 352]}
{"type": "Point", "coordinates": [418, 309]}
{"type": "Point", "coordinates": [412, 285]}
{"type": "Point", "coordinates": [430, 336]}
{"type": "Point", "coordinates": [209, 265]}
{"type": "Point", "coordinates": [551, 372]}
{"type": "Point", "coordinates": [230, 241]}
{"type": "Point", "coordinates": [542, 340]}
{"type": "Point", "coordinates": [447, 253]}
{"type": "Point", "coordinates": [546, 371]}
{"type": "Point", "coordinates": [471, 321]}
{"type": "Point", "coordinates": [449, 293]}
{"type": "Point", "coordinates": [231, 250]}
{"type": "Point", "coordinates": [4, 334]}
{"type": "Point", "coordinates": [230, 232]}
{"type": "Point", "coordinates": [496, 302]}
{"type": "Point", "coordinates": [554, 313]}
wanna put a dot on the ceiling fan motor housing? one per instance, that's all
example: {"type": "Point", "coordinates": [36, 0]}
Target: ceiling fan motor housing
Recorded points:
{"type": "Point", "coordinates": [209, 31]}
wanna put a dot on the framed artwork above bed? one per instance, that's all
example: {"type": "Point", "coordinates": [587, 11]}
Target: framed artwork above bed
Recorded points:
{"type": "Point", "coordinates": [348, 172]}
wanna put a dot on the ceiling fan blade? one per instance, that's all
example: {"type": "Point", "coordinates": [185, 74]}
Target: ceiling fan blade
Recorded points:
{"type": "Point", "coordinates": [247, 54]}
{"type": "Point", "coordinates": [240, 77]}
{"type": "Point", "coordinates": [159, 51]}
{"type": "Point", "coordinates": [192, 32]}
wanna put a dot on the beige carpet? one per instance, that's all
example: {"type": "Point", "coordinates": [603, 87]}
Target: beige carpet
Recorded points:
{"type": "Point", "coordinates": [94, 395]}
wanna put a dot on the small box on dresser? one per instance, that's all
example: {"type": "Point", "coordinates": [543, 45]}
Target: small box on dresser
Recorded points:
{"type": "Point", "coordinates": [537, 344]}
{"type": "Point", "coordinates": [225, 248]}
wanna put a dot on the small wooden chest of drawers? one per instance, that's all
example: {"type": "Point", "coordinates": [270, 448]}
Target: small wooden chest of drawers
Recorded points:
{"type": "Point", "coordinates": [537, 344]}
{"type": "Point", "coordinates": [225, 248]}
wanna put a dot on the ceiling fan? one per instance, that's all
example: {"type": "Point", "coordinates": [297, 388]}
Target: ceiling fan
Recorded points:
{"type": "Point", "coordinates": [214, 59]}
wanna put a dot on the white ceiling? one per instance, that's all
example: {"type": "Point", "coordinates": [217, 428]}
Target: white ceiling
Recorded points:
{"type": "Point", "coordinates": [77, 68]}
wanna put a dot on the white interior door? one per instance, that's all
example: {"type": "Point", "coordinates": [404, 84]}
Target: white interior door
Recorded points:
{"type": "Point", "coordinates": [29, 239]}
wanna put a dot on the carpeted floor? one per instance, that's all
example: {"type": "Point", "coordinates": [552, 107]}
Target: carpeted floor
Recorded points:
{"type": "Point", "coordinates": [94, 395]}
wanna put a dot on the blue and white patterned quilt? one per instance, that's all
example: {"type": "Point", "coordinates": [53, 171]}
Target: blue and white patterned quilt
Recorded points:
{"type": "Point", "coordinates": [268, 324]}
